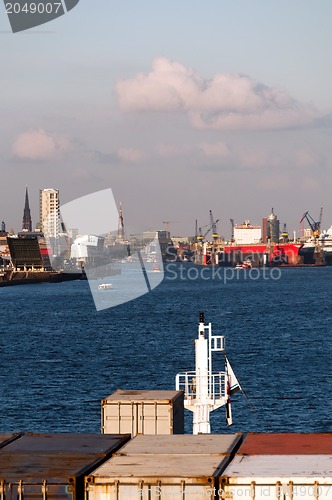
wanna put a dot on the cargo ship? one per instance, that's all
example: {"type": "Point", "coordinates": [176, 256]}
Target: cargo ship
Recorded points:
{"type": "Point", "coordinates": [320, 247]}
{"type": "Point", "coordinates": [261, 245]}
{"type": "Point", "coordinates": [261, 254]}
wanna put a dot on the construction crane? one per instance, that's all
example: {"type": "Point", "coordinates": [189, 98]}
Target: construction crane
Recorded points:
{"type": "Point", "coordinates": [314, 226]}
{"type": "Point", "coordinates": [215, 235]}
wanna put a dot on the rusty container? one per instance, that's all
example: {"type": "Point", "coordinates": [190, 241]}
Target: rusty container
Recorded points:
{"type": "Point", "coordinates": [286, 444]}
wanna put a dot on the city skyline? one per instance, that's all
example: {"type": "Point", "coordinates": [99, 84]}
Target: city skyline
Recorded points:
{"type": "Point", "coordinates": [178, 108]}
{"type": "Point", "coordinates": [45, 202]}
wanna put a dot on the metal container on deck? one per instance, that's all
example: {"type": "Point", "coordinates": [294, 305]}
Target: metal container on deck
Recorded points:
{"type": "Point", "coordinates": [172, 467]}
{"type": "Point", "coordinates": [186, 444]}
{"type": "Point", "coordinates": [52, 466]}
{"type": "Point", "coordinates": [286, 444]}
{"type": "Point", "coordinates": [296, 477]}
{"type": "Point", "coordinates": [143, 412]}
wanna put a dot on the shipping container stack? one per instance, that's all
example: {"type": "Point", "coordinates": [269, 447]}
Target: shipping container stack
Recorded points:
{"type": "Point", "coordinates": [177, 467]}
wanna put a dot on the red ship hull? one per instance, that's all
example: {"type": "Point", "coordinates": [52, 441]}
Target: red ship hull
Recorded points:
{"type": "Point", "coordinates": [283, 253]}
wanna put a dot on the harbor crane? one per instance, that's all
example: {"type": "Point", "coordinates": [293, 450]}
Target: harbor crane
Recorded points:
{"type": "Point", "coordinates": [212, 225]}
{"type": "Point", "coordinates": [215, 235]}
{"type": "Point", "coordinates": [314, 226]}
{"type": "Point", "coordinates": [201, 236]}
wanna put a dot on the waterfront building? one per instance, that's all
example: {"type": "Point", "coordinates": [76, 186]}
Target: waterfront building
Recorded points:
{"type": "Point", "coordinates": [273, 227]}
{"type": "Point", "coordinates": [27, 222]}
{"type": "Point", "coordinates": [49, 212]}
{"type": "Point", "coordinates": [120, 237]}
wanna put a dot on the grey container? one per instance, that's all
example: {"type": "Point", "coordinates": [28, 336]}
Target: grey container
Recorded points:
{"type": "Point", "coordinates": [143, 412]}
{"type": "Point", "coordinates": [156, 467]}
{"type": "Point", "coordinates": [52, 465]}
{"type": "Point", "coordinates": [296, 477]}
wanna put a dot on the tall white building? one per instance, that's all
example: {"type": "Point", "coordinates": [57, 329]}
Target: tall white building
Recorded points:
{"type": "Point", "coordinates": [49, 212]}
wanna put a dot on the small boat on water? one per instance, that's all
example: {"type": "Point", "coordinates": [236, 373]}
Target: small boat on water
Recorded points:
{"type": "Point", "coordinates": [105, 286]}
{"type": "Point", "coordinates": [247, 264]}
{"type": "Point", "coordinates": [156, 268]}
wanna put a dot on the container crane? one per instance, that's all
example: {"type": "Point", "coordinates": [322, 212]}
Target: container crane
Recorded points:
{"type": "Point", "coordinates": [314, 226]}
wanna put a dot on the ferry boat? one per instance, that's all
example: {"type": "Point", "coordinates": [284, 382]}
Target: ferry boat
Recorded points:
{"type": "Point", "coordinates": [105, 286]}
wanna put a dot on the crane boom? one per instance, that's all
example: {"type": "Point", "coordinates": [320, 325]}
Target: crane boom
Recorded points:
{"type": "Point", "coordinates": [314, 225]}
{"type": "Point", "coordinates": [215, 235]}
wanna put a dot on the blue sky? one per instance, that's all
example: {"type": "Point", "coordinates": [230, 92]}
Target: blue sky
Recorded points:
{"type": "Point", "coordinates": [179, 107]}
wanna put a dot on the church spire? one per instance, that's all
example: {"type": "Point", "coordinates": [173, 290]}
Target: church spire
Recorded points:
{"type": "Point", "coordinates": [27, 223]}
{"type": "Point", "coordinates": [120, 225]}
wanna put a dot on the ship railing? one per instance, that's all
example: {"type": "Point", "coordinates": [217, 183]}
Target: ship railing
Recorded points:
{"type": "Point", "coordinates": [188, 382]}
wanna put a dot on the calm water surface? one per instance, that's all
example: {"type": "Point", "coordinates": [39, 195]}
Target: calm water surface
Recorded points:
{"type": "Point", "coordinates": [59, 357]}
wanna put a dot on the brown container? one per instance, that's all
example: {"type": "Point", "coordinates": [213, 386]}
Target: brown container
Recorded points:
{"type": "Point", "coordinates": [53, 465]}
{"type": "Point", "coordinates": [286, 444]}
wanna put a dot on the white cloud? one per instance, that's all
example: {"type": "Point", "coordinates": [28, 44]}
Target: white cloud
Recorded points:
{"type": "Point", "coordinates": [39, 145]}
{"type": "Point", "coordinates": [130, 155]}
{"type": "Point", "coordinates": [225, 102]}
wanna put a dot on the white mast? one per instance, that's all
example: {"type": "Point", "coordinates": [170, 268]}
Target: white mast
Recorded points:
{"type": "Point", "coordinates": [205, 391]}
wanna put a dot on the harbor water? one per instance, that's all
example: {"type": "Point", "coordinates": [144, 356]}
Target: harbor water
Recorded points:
{"type": "Point", "coordinates": [60, 357]}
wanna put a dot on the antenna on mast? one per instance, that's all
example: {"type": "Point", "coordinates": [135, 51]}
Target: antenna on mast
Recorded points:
{"type": "Point", "coordinates": [205, 391]}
